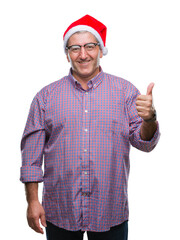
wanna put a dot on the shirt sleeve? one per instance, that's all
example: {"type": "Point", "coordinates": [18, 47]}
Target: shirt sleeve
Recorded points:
{"type": "Point", "coordinates": [32, 143]}
{"type": "Point", "coordinates": [135, 123]}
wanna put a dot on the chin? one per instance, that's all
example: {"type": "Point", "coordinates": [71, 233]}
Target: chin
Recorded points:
{"type": "Point", "coordinates": [86, 73]}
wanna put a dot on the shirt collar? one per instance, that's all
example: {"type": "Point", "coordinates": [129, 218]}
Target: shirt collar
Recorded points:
{"type": "Point", "coordinates": [94, 82]}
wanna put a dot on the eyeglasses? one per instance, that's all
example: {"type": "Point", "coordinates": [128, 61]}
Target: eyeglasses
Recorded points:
{"type": "Point", "coordinates": [89, 47]}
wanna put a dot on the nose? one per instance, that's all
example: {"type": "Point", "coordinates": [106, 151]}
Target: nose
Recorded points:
{"type": "Point", "coordinates": [83, 53]}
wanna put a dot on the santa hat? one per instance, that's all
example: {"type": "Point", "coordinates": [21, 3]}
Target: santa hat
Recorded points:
{"type": "Point", "coordinates": [90, 24]}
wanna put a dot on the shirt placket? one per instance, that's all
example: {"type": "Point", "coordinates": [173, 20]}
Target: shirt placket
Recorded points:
{"type": "Point", "coordinates": [85, 159]}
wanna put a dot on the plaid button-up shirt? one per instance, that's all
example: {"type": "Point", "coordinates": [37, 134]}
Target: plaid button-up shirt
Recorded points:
{"type": "Point", "coordinates": [84, 137]}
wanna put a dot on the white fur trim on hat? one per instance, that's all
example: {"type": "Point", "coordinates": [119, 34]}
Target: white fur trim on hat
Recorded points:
{"type": "Point", "coordinates": [85, 28]}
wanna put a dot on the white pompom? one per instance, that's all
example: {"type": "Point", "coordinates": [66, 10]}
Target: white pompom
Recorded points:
{"type": "Point", "coordinates": [105, 51]}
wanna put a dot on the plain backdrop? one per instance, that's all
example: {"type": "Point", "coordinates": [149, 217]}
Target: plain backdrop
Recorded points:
{"type": "Point", "coordinates": [143, 40]}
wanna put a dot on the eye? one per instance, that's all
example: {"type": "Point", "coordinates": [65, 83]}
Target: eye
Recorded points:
{"type": "Point", "coordinates": [90, 46]}
{"type": "Point", "coordinates": [75, 48]}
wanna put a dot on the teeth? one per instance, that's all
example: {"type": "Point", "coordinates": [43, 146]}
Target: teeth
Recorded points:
{"type": "Point", "coordinates": [84, 62]}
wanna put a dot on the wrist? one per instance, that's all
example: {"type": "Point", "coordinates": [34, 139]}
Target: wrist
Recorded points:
{"type": "Point", "coordinates": [32, 201]}
{"type": "Point", "coordinates": [153, 118]}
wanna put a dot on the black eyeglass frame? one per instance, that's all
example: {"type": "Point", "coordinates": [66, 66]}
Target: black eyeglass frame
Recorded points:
{"type": "Point", "coordinates": [95, 44]}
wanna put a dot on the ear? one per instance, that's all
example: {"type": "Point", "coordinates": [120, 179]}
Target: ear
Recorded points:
{"type": "Point", "coordinates": [101, 53]}
{"type": "Point", "coordinates": [67, 57]}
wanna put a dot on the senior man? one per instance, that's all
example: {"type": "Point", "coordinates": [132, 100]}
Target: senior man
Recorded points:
{"type": "Point", "coordinates": [82, 127]}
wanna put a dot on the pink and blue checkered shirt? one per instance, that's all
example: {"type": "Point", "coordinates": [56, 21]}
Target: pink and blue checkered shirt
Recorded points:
{"type": "Point", "coordinates": [84, 137]}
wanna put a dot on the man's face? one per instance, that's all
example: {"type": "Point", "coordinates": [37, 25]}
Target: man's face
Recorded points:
{"type": "Point", "coordinates": [85, 64]}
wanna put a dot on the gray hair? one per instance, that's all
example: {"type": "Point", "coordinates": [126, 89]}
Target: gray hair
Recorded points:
{"type": "Point", "coordinates": [79, 32]}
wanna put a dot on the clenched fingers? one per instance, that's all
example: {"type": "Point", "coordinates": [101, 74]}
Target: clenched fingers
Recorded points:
{"type": "Point", "coordinates": [35, 224]}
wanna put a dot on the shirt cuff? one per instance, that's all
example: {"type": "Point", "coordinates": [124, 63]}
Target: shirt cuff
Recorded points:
{"type": "Point", "coordinates": [148, 146]}
{"type": "Point", "coordinates": [31, 174]}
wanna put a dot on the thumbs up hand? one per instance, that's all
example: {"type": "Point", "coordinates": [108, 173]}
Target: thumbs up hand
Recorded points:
{"type": "Point", "coordinates": [144, 104]}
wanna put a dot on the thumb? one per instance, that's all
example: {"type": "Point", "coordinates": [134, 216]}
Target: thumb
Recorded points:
{"type": "Point", "coordinates": [149, 89]}
{"type": "Point", "coordinates": [43, 220]}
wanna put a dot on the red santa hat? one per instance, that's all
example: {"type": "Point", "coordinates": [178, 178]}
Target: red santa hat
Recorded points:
{"type": "Point", "coordinates": [90, 24]}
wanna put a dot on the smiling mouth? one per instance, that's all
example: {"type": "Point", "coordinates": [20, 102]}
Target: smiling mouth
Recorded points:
{"type": "Point", "coordinates": [84, 62]}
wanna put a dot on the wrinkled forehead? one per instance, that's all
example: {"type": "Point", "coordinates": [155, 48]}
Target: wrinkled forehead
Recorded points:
{"type": "Point", "coordinates": [81, 37]}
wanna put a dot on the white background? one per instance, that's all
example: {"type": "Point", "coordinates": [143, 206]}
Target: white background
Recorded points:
{"type": "Point", "coordinates": [144, 46]}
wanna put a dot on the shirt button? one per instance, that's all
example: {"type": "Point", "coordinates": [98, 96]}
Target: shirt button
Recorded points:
{"type": "Point", "coordinates": [86, 110]}
{"type": "Point", "coordinates": [85, 194]}
{"type": "Point", "coordinates": [85, 129]}
{"type": "Point", "coordinates": [85, 150]}
{"type": "Point", "coordinates": [86, 93]}
{"type": "Point", "coordinates": [85, 173]}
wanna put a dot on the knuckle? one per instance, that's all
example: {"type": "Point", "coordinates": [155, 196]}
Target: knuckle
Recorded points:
{"type": "Point", "coordinates": [149, 104]}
